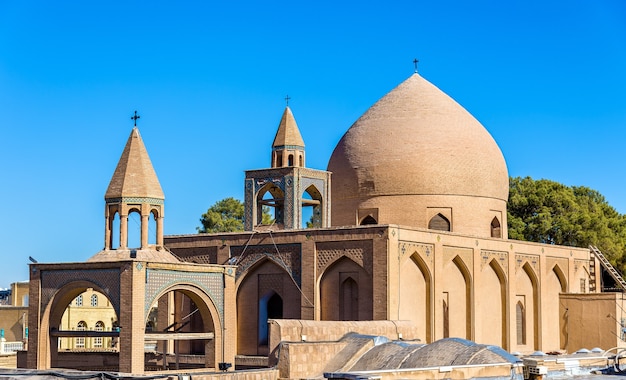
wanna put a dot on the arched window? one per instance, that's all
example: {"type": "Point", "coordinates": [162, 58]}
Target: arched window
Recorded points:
{"type": "Point", "coordinates": [79, 300]}
{"type": "Point", "coordinates": [290, 160]}
{"type": "Point", "coordinates": [495, 228]}
{"type": "Point", "coordinates": [94, 300]}
{"type": "Point", "coordinates": [520, 319]}
{"type": "Point", "coordinates": [80, 341]}
{"type": "Point", "coordinates": [301, 161]}
{"type": "Point", "coordinates": [97, 341]}
{"type": "Point", "coordinates": [279, 160]}
{"type": "Point", "coordinates": [439, 222]}
{"type": "Point", "coordinates": [368, 220]}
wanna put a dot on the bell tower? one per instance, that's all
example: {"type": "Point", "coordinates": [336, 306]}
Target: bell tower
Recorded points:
{"type": "Point", "coordinates": [287, 187]}
{"type": "Point", "coordinates": [134, 188]}
{"type": "Point", "coordinates": [288, 146]}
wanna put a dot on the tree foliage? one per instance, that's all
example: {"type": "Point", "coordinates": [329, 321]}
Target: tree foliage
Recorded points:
{"type": "Point", "coordinates": [226, 215]}
{"type": "Point", "coordinates": [549, 212]}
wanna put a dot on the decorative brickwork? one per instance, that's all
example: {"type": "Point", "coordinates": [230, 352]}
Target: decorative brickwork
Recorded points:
{"type": "Point", "coordinates": [581, 264]}
{"type": "Point", "coordinates": [288, 257]}
{"type": "Point", "coordinates": [272, 281]}
{"type": "Point", "coordinates": [520, 260]}
{"type": "Point", "coordinates": [501, 257]}
{"type": "Point", "coordinates": [108, 280]}
{"type": "Point", "coordinates": [159, 280]}
{"type": "Point", "coordinates": [425, 251]}
{"type": "Point", "coordinates": [198, 255]}
{"type": "Point", "coordinates": [358, 251]}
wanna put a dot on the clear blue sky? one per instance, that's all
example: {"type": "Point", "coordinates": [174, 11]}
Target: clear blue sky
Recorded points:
{"type": "Point", "coordinates": [546, 78]}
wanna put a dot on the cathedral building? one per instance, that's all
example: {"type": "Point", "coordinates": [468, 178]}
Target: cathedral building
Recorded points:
{"type": "Point", "coordinates": [408, 223]}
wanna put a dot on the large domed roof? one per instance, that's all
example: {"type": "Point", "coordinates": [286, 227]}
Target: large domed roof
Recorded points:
{"type": "Point", "coordinates": [417, 141]}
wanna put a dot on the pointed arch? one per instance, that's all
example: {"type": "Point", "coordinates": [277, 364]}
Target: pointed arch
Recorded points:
{"type": "Point", "coordinates": [439, 223]}
{"type": "Point", "coordinates": [345, 290]}
{"type": "Point", "coordinates": [491, 309]}
{"type": "Point", "coordinates": [527, 284]}
{"type": "Point", "coordinates": [416, 295]}
{"type": "Point", "coordinates": [460, 299]}
{"type": "Point", "coordinates": [560, 275]}
{"type": "Point", "coordinates": [555, 283]}
{"type": "Point", "coordinates": [254, 288]}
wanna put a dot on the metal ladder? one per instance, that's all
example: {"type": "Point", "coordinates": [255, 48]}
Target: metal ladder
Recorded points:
{"type": "Point", "coordinates": [619, 280]}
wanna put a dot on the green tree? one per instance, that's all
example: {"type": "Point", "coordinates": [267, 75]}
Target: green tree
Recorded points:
{"type": "Point", "coordinates": [227, 216]}
{"type": "Point", "coordinates": [549, 212]}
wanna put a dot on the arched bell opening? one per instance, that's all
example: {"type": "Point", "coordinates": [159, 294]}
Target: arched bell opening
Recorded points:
{"type": "Point", "coordinates": [311, 208]}
{"type": "Point", "coordinates": [134, 228]}
{"type": "Point", "coordinates": [273, 197]}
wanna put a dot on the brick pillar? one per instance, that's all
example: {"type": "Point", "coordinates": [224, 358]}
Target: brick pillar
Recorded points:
{"type": "Point", "coordinates": [229, 336]}
{"type": "Point", "coordinates": [36, 354]}
{"type": "Point", "coordinates": [132, 321]}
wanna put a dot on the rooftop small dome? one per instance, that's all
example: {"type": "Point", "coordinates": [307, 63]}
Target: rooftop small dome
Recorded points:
{"type": "Point", "coordinates": [417, 148]}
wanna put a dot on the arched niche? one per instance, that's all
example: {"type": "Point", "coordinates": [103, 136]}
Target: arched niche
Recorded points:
{"type": "Point", "coordinates": [415, 295]}
{"type": "Point", "coordinates": [255, 287]}
{"type": "Point", "coordinates": [345, 290]}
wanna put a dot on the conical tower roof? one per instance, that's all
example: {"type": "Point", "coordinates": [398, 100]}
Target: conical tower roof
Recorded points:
{"type": "Point", "coordinates": [288, 133]}
{"type": "Point", "coordinates": [134, 175]}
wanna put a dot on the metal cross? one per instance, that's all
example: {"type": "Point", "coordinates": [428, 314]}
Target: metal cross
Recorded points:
{"type": "Point", "coordinates": [415, 61]}
{"type": "Point", "coordinates": [135, 117]}
{"type": "Point", "coordinates": [287, 98]}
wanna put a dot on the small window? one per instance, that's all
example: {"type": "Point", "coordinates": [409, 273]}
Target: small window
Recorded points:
{"type": "Point", "coordinates": [290, 160]}
{"type": "Point", "coordinates": [439, 222]}
{"type": "Point", "coordinates": [80, 341]}
{"type": "Point", "coordinates": [94, 300]}
{"type": "Point", "coordinates": [97, 341]}
{"type": "Point", "coordinates": [583, 285]}
{"type": "Point", "coordinates": [368, 220]}
{"type": "Point", "coordinates": [495, 228]}
{"type": "Point", "coordinates": [79, 300]}
{"type": "Point", "coordinates": [279, 160]}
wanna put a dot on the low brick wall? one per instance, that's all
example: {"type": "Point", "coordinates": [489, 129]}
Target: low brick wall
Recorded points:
{"type": "Point", "coordinates": [306, 360]}
{"type": "Point", "coordinates": [293, 330]}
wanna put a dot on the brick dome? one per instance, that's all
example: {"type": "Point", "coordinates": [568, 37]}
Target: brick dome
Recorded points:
{"type": "Point", "coordinates": [414, 153]}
